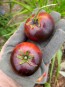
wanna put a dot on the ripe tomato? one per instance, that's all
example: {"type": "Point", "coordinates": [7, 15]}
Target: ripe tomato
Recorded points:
{"type": "Point", "coordinates": [39, 28]}
{"type": "Point", "coordinates": [26, 58]}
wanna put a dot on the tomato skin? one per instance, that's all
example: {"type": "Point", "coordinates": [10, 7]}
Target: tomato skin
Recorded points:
{"type": "Point", "coordinates": [26, 69]}
{"type": "Point", "coordinates": [42, 29]}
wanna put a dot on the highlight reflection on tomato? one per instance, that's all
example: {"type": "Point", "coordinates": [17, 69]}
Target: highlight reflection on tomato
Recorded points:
{"type": "Point", "coordinates": [26, 58]}
{"type": "Point", "coordinates": [39, 28]}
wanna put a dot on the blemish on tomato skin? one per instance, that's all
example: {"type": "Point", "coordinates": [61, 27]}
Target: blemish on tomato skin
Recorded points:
{"type": "Point", "coordinates": [44, 23]}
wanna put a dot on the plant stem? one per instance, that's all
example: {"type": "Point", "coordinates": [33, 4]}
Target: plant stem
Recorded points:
{"type": "Point", "coordinates": [25, 57]}
{"type": "Point", "coordinates": [47, 6]}
{"type": "Point", "coordinates": [59, 57]}
{"type": "Point", "coordinates": [42, 8]}
{"type": "Point", "coordinates": [52, 66]}
{"type": "Point", "coordinates": [1, 2]}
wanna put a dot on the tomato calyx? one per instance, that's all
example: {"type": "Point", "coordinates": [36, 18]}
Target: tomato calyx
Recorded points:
{"type": "Point", "coordinates": [35, 21]}
{"type": "Point", "coordinates": [26, 57]}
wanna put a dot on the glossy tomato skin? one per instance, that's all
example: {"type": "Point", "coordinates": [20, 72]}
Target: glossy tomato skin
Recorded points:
{"type": "Point", "coordinates": [40, 30]}
{"type": "Point", "coordinates": [26, 69]}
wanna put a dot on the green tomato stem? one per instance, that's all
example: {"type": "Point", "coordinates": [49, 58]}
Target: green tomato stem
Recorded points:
{"type": "Point", "coordinates": [42, 8]}
{"type": "Point", "coordinates": [25, 57]}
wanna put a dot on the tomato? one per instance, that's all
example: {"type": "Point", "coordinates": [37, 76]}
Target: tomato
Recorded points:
{"type": "Point", "coordinates": [39, 28]}
{"type": "Point", "coordinates": [26, 58]}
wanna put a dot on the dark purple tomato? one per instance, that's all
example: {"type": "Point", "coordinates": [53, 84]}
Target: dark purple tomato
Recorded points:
{"type": "Point", "coordinates": [26, 58]}
{"type": "Point", "coordinates": [39, 28]}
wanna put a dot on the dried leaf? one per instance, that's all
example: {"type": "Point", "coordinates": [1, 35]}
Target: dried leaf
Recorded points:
{"type": "Point", "coordinates": [62, 73]}
{"type": "Point", "coordinates": [62, 66]}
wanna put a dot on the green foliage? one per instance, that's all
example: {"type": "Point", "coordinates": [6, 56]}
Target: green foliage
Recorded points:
{"type": "Point", "coordinates": [27, 6]}
{"type": "Point", "coordinates": [30, 5]}
{"type": "Point", "coordinates": [11, 5]}
{"type": "Point", "coordinates": [5, 31]}
{"type": "Point", "coordinates": [60, 7]}
{"type": "Point", "coordinates": [47, 85]}
{"type": "Point", "coordinates": [52, 67]}
{"type": "Point", "coordinates": [59, 58]}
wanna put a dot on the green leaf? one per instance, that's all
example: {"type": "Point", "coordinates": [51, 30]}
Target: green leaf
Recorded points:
{"type": "Point", "coordinates": [41, 2]}
{"type": "Point", "coordinates": [52, 66]}
{"type": "Point", "coordinates": [23, 5]}
{"type": "Point", "coordinates": [47, 85]}
{"type": "Point", "coordinates": [19, 13]}
{"type": "Point", "coordinates": [16, 24]}
{"type": "Point", "coordinates": [49, 5]}
{"type": "Point", "coordinates": [32, 3]}
{"type": "Point", "coordinates": [59, 57]}
{"type": "Point", "coordinates": [8, 34]}
{"type": "Point", "coordinates": [11, 5]}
